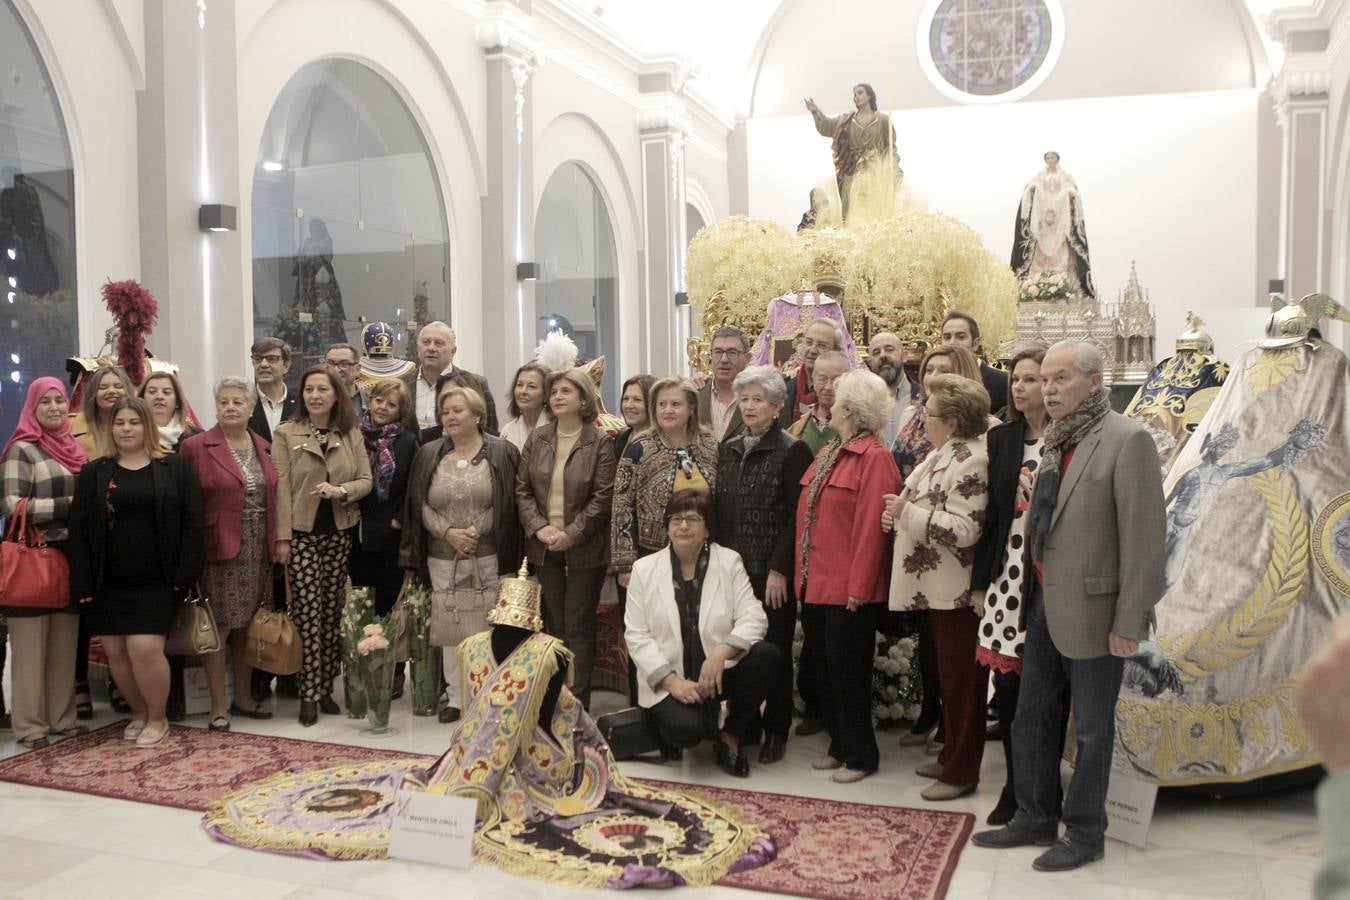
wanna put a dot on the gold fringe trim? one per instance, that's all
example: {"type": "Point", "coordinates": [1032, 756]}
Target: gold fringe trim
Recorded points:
{"type": "Point", "coordinates": [217, 818]}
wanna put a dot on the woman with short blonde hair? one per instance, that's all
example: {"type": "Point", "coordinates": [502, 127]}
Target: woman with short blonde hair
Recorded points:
{"type": "Point", "coordinates": [459, 520]}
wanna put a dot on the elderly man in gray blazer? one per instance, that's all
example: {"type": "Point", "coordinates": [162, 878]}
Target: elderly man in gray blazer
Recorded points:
{"type": "Point", "coordinates": [1095, 538]}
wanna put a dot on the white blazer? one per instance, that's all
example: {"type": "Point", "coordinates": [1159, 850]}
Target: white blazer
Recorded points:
{"type": "Point", "coordinates": [728, 613]}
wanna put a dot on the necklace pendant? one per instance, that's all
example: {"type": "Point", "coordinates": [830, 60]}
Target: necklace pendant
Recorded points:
{"type": "Point", "coordinates": [461, 464]}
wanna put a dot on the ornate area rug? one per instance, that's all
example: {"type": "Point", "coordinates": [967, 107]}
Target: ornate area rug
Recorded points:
{"type": "Point", "coordinates": [827, 848]}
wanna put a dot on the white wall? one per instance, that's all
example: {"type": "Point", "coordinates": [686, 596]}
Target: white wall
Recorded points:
{"type": "Point", "coordinates": [1167, 180]}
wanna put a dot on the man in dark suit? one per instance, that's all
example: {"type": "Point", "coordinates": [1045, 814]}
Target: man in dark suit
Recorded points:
{"type": "Point", "coordinates": [271, 361]}
{"type": "Point", "coordinates": [436, 348]}
{"type": "Point", "coordinates": [960, 328]}
{"type": "Point", "coordinates": [1095, 531]}
{"type": "Point", "coordinates": [717, 407]}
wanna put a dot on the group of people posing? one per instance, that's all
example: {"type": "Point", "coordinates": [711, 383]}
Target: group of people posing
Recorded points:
{"type": "Point", "coordinates": [1028, 544]}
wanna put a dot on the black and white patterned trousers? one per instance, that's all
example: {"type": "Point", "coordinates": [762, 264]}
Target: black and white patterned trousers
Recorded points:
{"type": "Point", "coordinates": [318, 573]}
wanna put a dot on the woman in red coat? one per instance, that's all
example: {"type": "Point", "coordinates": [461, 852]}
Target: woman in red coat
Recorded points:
{"type": "Point", "coordinates": [239, 486]}
{"type": "Point", "coordinates": [842, 564]}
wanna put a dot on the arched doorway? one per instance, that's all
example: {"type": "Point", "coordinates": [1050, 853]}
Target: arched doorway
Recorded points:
{"type": "Point", "coordinates": [349, 223]}
{"type": "Point", "coordinates": [37, 222]}
{"type": "Point", "coordinates": [578, 287]}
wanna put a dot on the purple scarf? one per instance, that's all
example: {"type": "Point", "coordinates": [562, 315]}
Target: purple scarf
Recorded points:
{"type": "Point", "coordinates": [380, 445]}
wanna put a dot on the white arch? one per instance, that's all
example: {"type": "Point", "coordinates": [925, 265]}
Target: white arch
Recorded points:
{"type": "Point", "coordinates": [696, 195]}
{"type": "Point", "coordinates": [96, 96]}
{"type": "Point", "coordinates": [288, 37]}
{"type": "Point", "coordinates": [574, 137]}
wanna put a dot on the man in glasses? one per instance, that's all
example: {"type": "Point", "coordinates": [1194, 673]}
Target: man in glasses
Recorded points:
{"type": "Point", "coordinates": [346, 359]}
{"type": "Point", "coordinates": [271, 361]}
{"type": "Point", "coordinates": [821, 336]}
{"type": "Point", "coordinates": [717, 407]}
{"type": "Point", "coordinates": [275, 404]}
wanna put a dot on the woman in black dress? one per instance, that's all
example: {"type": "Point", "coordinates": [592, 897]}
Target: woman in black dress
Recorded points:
{"type": "Point", "coordinates": [135, 545]}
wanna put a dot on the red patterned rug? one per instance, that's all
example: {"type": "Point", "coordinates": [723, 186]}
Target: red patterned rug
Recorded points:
{"type": "Point", "coordinates": [827, 848]}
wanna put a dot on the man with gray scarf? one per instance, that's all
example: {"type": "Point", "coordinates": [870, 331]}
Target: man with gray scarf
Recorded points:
{"type": "Point", "coordinates": [1096, 535]}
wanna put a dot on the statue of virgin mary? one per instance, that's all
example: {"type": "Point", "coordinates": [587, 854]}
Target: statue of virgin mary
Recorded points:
{"type": "Point", "coordinates": [1051, 235]}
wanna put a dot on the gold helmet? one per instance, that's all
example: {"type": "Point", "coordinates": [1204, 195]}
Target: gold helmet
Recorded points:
{"type": "Point", "coordinates": [1286, 327]}
{"type": "Point", "coordinates": [1195, 337]}
{"type": "Point", "coordinates": [518, 602]}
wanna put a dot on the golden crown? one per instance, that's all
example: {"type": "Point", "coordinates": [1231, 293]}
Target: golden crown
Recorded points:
{"type": "Point", "coordinates": [518, 602]}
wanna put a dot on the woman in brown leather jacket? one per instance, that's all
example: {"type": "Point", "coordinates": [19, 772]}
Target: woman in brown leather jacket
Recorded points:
{"type": "Point", "coordinates": [564, 490]}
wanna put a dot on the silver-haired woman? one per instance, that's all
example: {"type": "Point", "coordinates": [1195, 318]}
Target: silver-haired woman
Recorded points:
{"type": "Point", "coordinates": [759, 474]}
{"type": "Point", "coordinates": [239, 484]}
{"type": "Point", "coordinates": [840, 566]}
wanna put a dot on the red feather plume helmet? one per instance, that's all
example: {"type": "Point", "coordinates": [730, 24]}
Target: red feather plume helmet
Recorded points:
{"type": "Point", "coordinates": [135, 310]}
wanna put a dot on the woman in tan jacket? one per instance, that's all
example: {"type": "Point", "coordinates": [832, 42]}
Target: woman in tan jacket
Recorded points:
{"type": "Point", "coordinates": [564, 491]}
{"type": "Point", "coordinates": [322, 474]}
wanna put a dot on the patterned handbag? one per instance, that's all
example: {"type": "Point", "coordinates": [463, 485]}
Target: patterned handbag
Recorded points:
{"type": "Point", "coordinates": [32, 574]}
{"type": "Point", "coordinates": [194, 630]}
{"type": "Point", "coordinates": [458, 612]}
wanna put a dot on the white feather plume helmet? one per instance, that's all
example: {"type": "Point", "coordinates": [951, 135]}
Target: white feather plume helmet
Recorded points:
{"type": "Point", "coordinates": [556, 351]}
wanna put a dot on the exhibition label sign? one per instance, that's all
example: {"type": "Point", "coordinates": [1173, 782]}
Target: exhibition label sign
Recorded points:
{"type": "Point", "coordinates": [433, 828]}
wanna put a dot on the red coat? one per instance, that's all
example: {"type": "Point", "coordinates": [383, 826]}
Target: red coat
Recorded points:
{"type": "Point", "coordinates": [222, 487]}
{"type": "Point", "coordinates": [850, 554]}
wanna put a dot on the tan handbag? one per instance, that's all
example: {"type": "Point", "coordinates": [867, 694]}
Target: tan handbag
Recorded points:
{"type": "Point", "coordinates": [194, 630]}
{"type": "Point", "coordinates": [458, 613]}
{"type": "Point", "coordinates": [273, 641]}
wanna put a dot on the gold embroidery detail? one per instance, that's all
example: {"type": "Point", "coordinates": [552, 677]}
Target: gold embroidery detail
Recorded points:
{"type": "Point", "coordinates": [1209, 650]}
{"type": "Point", "coordinates": [1173, 739]}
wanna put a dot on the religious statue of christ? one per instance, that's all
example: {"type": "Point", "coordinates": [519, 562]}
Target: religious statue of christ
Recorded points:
{"type": "Point", "coordinates": [859, 140]}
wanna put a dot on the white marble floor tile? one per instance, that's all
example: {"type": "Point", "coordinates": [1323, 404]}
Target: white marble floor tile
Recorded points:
{"type": "Point", "coordinates": [25, 862]}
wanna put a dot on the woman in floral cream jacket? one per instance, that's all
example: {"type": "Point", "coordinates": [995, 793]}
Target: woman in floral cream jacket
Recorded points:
{"type": "Point", "coordinates": [937, 520]}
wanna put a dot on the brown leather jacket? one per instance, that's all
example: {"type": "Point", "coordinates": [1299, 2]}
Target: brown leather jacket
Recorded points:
{"type": "Point", "coordinates": [301, 465]}
{"type": "Point", "coordinates": [588, 493]}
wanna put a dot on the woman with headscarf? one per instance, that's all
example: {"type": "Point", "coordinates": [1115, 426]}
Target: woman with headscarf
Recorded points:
{"type": "Point", "coordinates": [41, 461]}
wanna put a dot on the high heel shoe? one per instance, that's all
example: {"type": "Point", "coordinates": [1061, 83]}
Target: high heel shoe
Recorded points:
{"type": "Point", "coordinates": [309, 712]}
{"type": "Point", "coordinates": [328, 706]}
{"type": "Point", "coordinates": [84, 707]}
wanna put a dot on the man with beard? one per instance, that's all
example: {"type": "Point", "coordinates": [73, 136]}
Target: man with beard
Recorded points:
{"type": "Point", "coordinates": [886, 358]}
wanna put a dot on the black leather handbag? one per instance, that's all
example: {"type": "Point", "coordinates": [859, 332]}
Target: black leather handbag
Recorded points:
{"type": "Point", "coordinates": [629, 733]}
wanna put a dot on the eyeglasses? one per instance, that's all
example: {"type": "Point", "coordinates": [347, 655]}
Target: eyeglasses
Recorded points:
{"type": "Point", "coordinates": [727, 352]}
{"type": "Point", "coordinates": [807, 343]}
{"type": "Point", "coordinates": [691, 520]}
{"type": "Point", "coordinates": [275, 359]}
{"type": "Point", "coordinates": [340, 363]}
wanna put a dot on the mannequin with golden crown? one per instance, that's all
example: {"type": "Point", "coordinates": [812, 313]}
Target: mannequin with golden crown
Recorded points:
{"type": "Point", "coordinates": [551, 801]}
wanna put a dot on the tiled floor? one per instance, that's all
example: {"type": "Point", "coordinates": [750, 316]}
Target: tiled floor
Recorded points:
{"type": "Point", "coordinates": [56, 844]}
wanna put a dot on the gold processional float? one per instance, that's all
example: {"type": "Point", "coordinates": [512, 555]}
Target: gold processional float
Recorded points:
{"type": "Point", "coordinates": [895, 267]}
